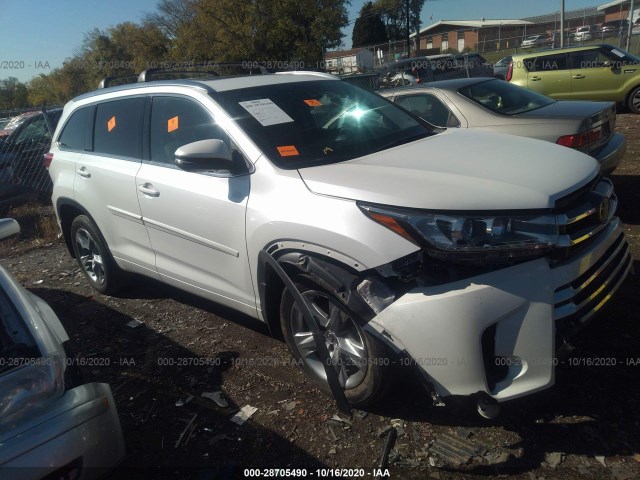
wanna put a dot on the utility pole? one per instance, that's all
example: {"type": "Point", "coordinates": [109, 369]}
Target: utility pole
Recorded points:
{"type": "Point", "coordinates": [408, 39]}
{"type": "Point", "coordinates": [561, 23]}
{"type": "Point", "coordinates": [630, 26]}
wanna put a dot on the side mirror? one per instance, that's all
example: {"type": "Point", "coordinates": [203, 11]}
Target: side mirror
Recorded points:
{"type": "Point", "coordinates": [208, 155]}
{"type": "Point", "coordinates": [8, 227]}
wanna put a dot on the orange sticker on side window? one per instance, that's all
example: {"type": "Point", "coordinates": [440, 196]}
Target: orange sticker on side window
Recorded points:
{"type": "Point", "coordinates": [172, 124]}
{"type": "Point", "coordinates": [288, 151]}
{"type": "Point", "coordinates": [111, 124]}
{"type": "Point", "coordinates": [313, 103]}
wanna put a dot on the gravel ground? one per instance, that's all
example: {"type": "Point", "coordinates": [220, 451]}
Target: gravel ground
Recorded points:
{"type": "Point", "coordinates": [586, 426]}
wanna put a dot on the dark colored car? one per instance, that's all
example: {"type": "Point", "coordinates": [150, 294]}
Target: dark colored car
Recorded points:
{"type": "Point", "coordinates": [614, 28]}
{"type": "Point", "coordinates": [22, 150]}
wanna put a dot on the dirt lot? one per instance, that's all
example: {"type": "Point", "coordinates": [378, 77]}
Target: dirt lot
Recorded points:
{"type": "Point", "coordinates": [587, 426]}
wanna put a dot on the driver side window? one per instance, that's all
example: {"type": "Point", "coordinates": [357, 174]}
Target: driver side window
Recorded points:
{"type": "Point", "coordinates": [177, 121]}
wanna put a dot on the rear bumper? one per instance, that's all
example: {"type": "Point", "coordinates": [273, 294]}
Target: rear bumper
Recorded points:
{"type": "Point", "coordinates": [610, 155]}
{"type": "Point", "coordinates": [457, 333]}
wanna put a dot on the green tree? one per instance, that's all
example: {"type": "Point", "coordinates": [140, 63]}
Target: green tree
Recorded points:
{"type": "Point", "coordinates": [261, 30]}
{"type": "Point", "coordinates": [369, 28]}
{"type": "Point", "coordinates": [394, 14]}
{"type": "Point", "coordinates": [13, 94]}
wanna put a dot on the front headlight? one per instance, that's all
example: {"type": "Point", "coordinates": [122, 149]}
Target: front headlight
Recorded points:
{"type": "Point", "coordinates": [471, 238]}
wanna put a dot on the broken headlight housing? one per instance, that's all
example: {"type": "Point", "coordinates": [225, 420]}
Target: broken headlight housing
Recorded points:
{"type": "Point", "coordinates": [471, 238]}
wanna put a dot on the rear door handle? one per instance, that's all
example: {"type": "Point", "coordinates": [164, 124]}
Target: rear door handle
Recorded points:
{"type": "Point", "coordinates": [535, 79]}
{"type": "Point", "coordinates": [578, 77]}
{"type": "Point", "coordinates": [83, 172]}
{"type": "Point", "coordinates": [148, 190]}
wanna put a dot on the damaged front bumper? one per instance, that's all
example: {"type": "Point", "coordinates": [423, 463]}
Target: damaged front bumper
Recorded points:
{"type": "Point", "coordinates": [498, 332]}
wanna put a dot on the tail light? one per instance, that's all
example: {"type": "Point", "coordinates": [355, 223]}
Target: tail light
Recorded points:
{"type": "Point", "coordinates": [509, 72]}
{"type": "Point", "coordinates": [580, 140]}
{"type": "Point", "coordinates": [46, 160]}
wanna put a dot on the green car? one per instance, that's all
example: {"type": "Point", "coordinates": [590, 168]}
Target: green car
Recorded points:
{"type": "Point", "coordinates": [589, 72]}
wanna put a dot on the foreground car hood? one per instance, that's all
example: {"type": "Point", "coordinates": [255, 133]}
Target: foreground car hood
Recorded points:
{"type": "Point", "coordinates": [458, 170]}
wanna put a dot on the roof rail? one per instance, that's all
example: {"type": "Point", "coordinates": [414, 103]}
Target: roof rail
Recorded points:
{"type": "Point", "coordinates": [107, 81]}
{"type": "Point", "coordinates": [211, 68]}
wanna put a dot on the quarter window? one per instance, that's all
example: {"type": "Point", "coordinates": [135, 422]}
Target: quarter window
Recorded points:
{"type": "Point", "coordinates": [430, 108]}
{"type": "Point", "coordinates": [176, 122]}
{"type": "Point", "coordinates": [118, 128]}
{"type": "Point", "coordinates": [76, 133]}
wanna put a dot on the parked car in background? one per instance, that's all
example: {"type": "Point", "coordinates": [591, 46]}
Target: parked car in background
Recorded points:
{"type": "Point", "coordinates": [535, 41]}
{"type": "Point", "coordinates": [15, 121]}
{"type": "Point", "coordinates": [3, 122]}
{"type": "Point", "coordinates": [497, 106]}
{"type": "Point", "coordinates": [589, 72]}
{"type": "Point", "coordinates": [52, 423]}
{"type": "Point", "coordinates": [21, 150]}
{"type": "Point", "coordinates": [614, 28]}
{"type": "Point", "coordinates": [501, 67]}
{"type": "Point", "coordinates": [407, 72]}
{"type": "Point", "coordinates": [354, 228]}
{"type": "Point", "coordinates": [586, 33]}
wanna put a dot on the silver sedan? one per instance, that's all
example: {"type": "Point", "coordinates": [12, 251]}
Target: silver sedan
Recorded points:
{"type": "Point", "coordinates": [494, 105]}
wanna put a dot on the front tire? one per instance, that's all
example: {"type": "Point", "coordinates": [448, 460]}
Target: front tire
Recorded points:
{"type": "Point", "coordinates": [362, 359]}
{"type": "Point", "coordinates": [94, 257]}
{"type": "Point", "coordinates": [634, 101]}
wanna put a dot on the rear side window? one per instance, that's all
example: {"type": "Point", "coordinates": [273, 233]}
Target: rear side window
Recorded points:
{"type": "Point", "coordinates": [118, 128]}
{"type": "Point", "coordinates": [549, 63]}
{"type": "Point", "coordinates": [76, 134]}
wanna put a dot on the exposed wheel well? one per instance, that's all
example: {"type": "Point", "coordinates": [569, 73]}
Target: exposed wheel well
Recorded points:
{"type": "Point", "coordinates": [67, 213]}
{"type": "Point", "coordinates": [274, 287]}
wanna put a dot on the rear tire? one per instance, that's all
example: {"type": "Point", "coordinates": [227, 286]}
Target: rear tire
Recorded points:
{"type": "Point", "coordinates": [364, 360]}
{"type": "Point", "coordinates": [94, 257]}
{"type": "Point", "coordinates": [634, 101]}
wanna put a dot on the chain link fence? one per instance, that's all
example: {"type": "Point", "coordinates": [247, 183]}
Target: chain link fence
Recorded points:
{"type": "Point", "coordinates": [25, 136]}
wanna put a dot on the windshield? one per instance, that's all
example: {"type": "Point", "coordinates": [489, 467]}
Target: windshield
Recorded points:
{"type": "Point", "coordinates": [311, 123]}
{"type": "Point", "coordinates": [504, 98]}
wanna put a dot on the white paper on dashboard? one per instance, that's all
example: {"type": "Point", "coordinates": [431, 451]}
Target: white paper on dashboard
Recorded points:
{"type": "Point", "coordinates": [266, 112]}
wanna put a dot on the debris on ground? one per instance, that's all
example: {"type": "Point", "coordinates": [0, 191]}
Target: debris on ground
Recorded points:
{"type": "Point", "coordinates": [386, 449]}
{"type": "Point", "coordinates": [244, 414]}
{"type": "Point", "coordinates": [290, 406]}
{"type": "Point", "coordinates": [181, 402]}
{"type": "Point", "coordinates": [134, 324]}
{"type": "Point", "coordinates": [217, 398]}
{"type": "Point", "coordinates": [189, 428]}
{"type": "Point", "coordinates": [622, 472]}
{"type": "Point", "coordinates": [554, 459]}
{"type": "Point", "coordinates": [601, 459]}
{"type": "Point", "coordinates": [454, 450]}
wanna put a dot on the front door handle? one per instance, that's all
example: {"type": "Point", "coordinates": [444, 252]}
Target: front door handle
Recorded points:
{"type": "Point", "coordinates": [535, 79]}
{"type": "Point", "coordinates": [578, 77]}
{"type": "Point", "coordinates": [148, 190]}
{"type": "Point", "coordinates": [83, 172]}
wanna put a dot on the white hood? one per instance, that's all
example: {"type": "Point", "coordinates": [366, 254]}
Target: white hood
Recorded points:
{"type": "Point", "coordinates": [459, 170]}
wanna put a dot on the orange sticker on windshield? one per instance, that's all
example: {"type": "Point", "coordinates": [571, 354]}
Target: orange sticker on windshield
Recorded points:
{"type": "Point", "coordinates": [172, 124]}
{"type": "Point", "coordinates": [288, 151]}
{"type": "Point", "coordinates": [111, 124]}
{"type": "Point", "coordinates": [313, 103]}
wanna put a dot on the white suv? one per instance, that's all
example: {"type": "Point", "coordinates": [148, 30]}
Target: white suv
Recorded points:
{"type": "Point", "coordinates": [470, 256]}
